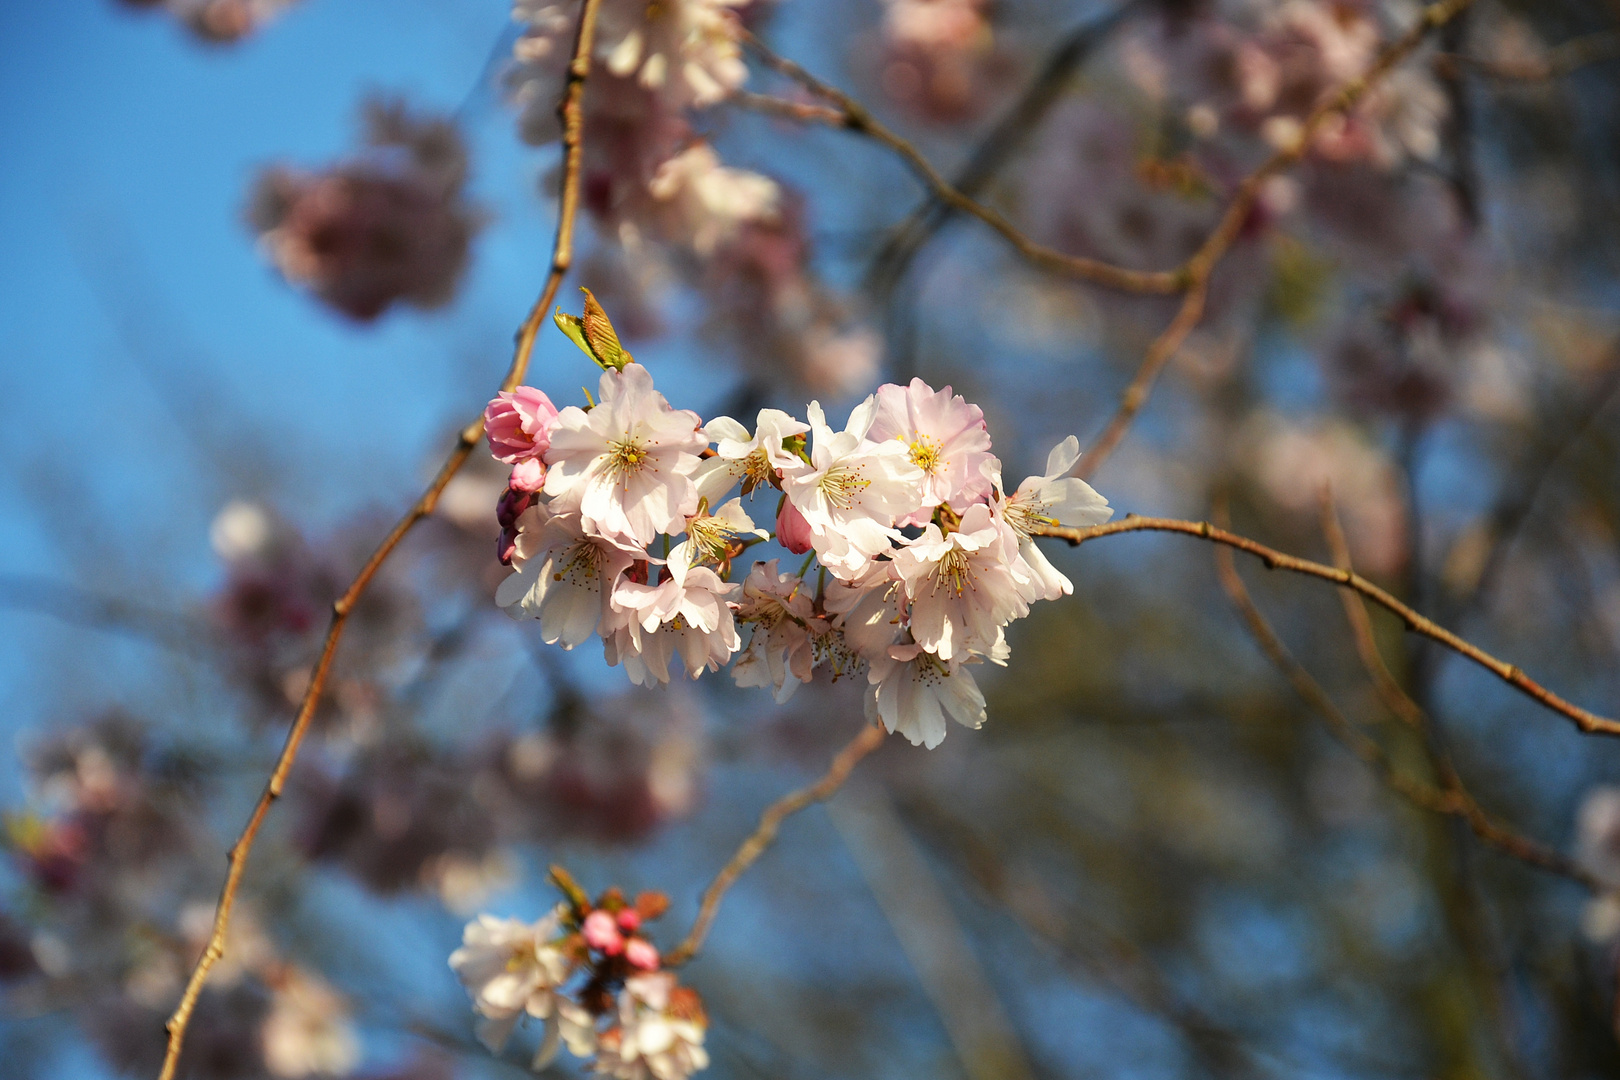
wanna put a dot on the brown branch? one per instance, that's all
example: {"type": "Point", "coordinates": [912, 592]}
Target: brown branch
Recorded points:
{"type": "Point", "coordinates": [1560, 60]}
{"type": "Point", "coordinates": [1415, 622]}
{"type": "Point", "coordinates": [870, 738]}
{"type": "Point", "coordinates": [892, 260]}
{"type": "Point", "coordinates": [1191, 279]}
{"type": "Point", "coordinates": [562, 256]}
{"type": "Point", "coordinates": [1449, 800]}
{"type": "Point", "coordinates": [1399, 702]}
{"type": "Point", "coordinates": [851, 115]}
{"type": "Point", "coordinates": [1196, 272]}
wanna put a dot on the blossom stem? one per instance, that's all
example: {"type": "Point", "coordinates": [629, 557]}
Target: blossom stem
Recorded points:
{"type": "Point", "coordinates": [561, 259]}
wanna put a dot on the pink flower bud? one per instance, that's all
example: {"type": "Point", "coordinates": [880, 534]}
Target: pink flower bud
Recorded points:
{"type": "Point", "coordinates": [642, 954]}
{"type": "Point", "coordinates": [518, 424]}
{"type": "Point", "coordinates": [792, 531]}
{"type": "Point", "coordinates": [602, 935]}
{"type": "Point", "coordinates": [528, 475]}
{"type": "Point", "coordinates": [629, 920]}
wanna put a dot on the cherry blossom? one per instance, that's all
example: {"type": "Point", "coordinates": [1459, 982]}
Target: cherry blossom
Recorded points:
{"type": "Point", "coordinates": [511, 967]}
{"type": "Point", "coordinates": [944, 436]}
{"type": "Point", "coordinates": [518, 426]}
{"type": "Point", "coordinates": [687, 614]}
{"type": "Point", "coordinates": [627, 464]}
{"type": "Point", "coordinates": [752, 460]}
{"type": "Point", "coordinates": [307, 1032]}
{"type": "Point", "coordinates": [702, 204]}
{"type": "Point", "coordinates": [852, 490]}
{"type": "Point", "coordinates": [912, 692]}
{"type": "Point", "coordinates": [713, 534]}
{"type": "Point", "coordinates": [561, 575]}
{"type": "Point", "coordinates": [659, 1035]}
{"type": "Point", "coordinates": [1053, 498]}
{"type": "Point", "coordinates": [779, 652]}
{"type": "Point", "coordinates": [961, 585]}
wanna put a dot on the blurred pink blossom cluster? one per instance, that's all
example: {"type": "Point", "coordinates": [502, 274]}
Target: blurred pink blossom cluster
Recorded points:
{"type": "Point", "coordinates": [391, 225]}
{"type": "Point", "coordinates": [654, 185]}
{"type": "Point", "coordinates": [939, 59]}
{"type": "Point", "coordinates": [1259, 71]}
{"type": "Point", "coordinates": [112, 840]}
{"type": "Point", "coordinates": [590, 975]}
{"type": "Point", "coordinates": [925, 557]}
{"type": "Point", "coordinates": [218, 21]}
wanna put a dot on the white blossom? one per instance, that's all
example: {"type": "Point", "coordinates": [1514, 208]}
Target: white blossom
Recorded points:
{"type": "Point", "coordinates": [561, 576]}
{"type": "Point", "coordinates": [1053, 498]}
{"type": "Point", "coordinates": [704, 203]}
{"type": "Point", "coordinates": [659, 1035]}
{"type": "Point", "coordinates": [627, 464]}
{"type": "Point", "coordinates": [944, 436]}
{"type": "Point", "coordinates": [687, 614]}
{"type": "Point", "coordinates": [511, 967]}
{"type": "Point", "coordinates": [780, 653]}
{"type": "Point", "coordinates": [687, 48]}
{"type": "Point", "coordinates": [853, 490]}
{"type": "Point", "coordinates": [961, 586]}
{"type": "Point", "coordinates": [308, 1031]}
{"type": "Point", "coordinates": [751, 460]}
{"type": "Point", "coordinates": [712, 534]}
{"type": "Point", "coordinates": [912, 692]}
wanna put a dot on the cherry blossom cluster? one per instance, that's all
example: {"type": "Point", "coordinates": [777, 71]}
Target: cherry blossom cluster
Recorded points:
{"type": "Point", "coordinates": [586, 971]}
{"type": "Point", "coordinates": [392, 225]}
{"type": "Point", "coordinates": [661, 194]}
{"type": "Point", "coordinates": [616, 523]}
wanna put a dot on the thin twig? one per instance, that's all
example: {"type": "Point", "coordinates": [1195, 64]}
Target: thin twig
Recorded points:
{"type": "Point", "coordinates": [853, 116]}
{"type": "Point", "coordinates": [892, 260]}
{"type": "Point", "coordinates": [1196, 272]}
{"type": "Point", "coordinates": [1452, 802]}
{"type": "Point", "coordinates": [1557, 62]}
{"type": "Point", "coordinates": [870, 738]}
{"type": "Point", "coordinates": [562, 256]}
{"type": "Point", "coordinates": [1398, 701]}
{"type": "Point", "coordinates": [1418, 624]}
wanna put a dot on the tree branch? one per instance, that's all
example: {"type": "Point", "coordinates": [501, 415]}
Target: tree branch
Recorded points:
{"type": "Point", "coordinates": [851, 115]}
{"type": "Point", "coordinates": [1450, 800]}
{"type": "Point", "coordinates": [1276, 560]}
{"type": "Point", "coordinates": [870, 738]}
{"type": "Point", "coordinates": [1196, 272]}
{"type": "Point", "coordinates": [562, 256]}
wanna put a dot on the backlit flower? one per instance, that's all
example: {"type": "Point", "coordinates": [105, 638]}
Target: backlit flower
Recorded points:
{"type": "Point", "coordinates": [562, 576]}
{"type": "Point", "coordinates": [944, 436]}
{"type": "Point", "coordinates": [853, 490]}
{"type": "Point", "coordinates": [1054, 498]}
{"type": "Point", "coordinates": [627, 463]}
{"type": "Point", "coordinates": [961, 586]}
{"type": "Point", "coordinates": [912, 692]}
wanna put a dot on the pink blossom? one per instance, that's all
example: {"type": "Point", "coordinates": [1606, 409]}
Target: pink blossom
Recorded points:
{"type": "Point", "coordinates": [518, 424]}
{"type": "Point", "coordinates": [946, 438]}
{"type": "Point", "coordinates": [602, 934]}
{"type": "Point", "coordinates": [642, 954]}
{"type": "Point", "coordinates": [792, 531]}
{"type": "Point", "coordinates": [629, 920]}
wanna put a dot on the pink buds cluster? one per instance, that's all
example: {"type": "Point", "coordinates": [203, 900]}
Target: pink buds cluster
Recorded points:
{"type": "Point", "coordinates": [587, 970]}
